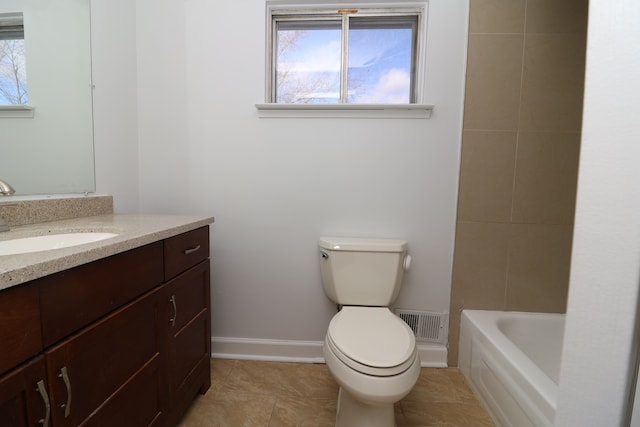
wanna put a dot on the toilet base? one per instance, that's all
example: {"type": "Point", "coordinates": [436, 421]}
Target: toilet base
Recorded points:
{"type": "Point", "coordinates": [354, 413]}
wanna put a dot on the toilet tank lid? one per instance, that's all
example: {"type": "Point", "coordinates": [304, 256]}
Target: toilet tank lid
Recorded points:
{"type": "Point", "coordinates": [362, 244]}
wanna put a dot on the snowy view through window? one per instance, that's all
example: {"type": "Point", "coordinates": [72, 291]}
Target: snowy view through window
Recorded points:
{"type": "Point", "coordinates": [379, 65]}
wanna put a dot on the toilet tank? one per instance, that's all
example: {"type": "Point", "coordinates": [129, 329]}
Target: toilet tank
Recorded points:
{"type": "Point", "coordinates": [357, 271]}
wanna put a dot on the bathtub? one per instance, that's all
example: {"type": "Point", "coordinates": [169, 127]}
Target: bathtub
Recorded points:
{"type": "Point", "coordinates": [512, 362]}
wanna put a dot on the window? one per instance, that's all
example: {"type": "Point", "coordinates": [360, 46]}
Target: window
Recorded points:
{"type": "Point", "coordinates": [13, 77]}
{"type": "Point", "coordinates": [344, 56]}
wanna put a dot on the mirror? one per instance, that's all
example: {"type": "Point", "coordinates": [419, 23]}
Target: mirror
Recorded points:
{"type": "Point", "coordinates": [49, 149]}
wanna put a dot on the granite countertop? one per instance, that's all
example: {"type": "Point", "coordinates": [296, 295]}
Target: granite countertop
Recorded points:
{"type": "Point", "coordinates": [133, 231]}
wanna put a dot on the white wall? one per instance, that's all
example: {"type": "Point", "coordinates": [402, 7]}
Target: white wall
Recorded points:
{"type": "Point", "coordinates": [276, 185]}
{"type": "Point", "coordinates": [599, 352]}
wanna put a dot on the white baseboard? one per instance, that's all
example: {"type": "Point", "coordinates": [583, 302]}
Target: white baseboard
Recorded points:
{"type": "Point", "coordinates": [267, 350]}
{"type": "Point", "coordinates": [431, 355]}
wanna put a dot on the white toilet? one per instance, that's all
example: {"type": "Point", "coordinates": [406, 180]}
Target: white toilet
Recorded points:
{"type": "Point", "coordinates": [369, 350]}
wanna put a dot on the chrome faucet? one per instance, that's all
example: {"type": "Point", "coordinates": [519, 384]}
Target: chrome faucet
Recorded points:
{"type": "Point", "coordinates": [6, 189]}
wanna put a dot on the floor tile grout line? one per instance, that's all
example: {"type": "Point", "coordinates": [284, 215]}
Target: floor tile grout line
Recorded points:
{"type": "Point", "coordinates": [275, 401]}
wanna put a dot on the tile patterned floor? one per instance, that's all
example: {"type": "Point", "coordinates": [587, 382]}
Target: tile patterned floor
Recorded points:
{"type": "Point", "coordinates": [275, 394]}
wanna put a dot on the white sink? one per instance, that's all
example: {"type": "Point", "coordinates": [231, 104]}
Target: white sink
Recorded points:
{"type": "Point", "coordinates": [50, 241]}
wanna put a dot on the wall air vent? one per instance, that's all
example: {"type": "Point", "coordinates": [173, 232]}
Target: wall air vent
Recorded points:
{"type": "Point", "coordinates": [427, 326]}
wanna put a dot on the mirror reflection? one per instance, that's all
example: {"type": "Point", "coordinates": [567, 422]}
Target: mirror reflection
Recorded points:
{"type": "Point", "coordinates": [13, 76]}
{"type": "Point", "coordinates": [46, 124]}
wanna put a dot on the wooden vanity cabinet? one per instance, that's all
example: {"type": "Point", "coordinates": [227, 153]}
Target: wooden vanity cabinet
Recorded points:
{"type": "Point", "coordinates": [122, 341]}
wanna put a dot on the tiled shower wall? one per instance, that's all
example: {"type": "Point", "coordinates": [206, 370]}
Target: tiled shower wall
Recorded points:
{"type": "Point", "coordinates": [520, 150]}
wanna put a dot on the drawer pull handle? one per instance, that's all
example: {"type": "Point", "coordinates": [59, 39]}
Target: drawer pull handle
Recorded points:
{"type": "Point", "coordinates": [191, 250]}
{"type": "Point", "coordinates": [64, 374]}
{"type": "Point", "coordinates": [45, 398]}
{"type": "Point", "coordinates": [172, 300]}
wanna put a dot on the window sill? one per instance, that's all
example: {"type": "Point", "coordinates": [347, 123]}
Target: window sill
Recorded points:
{"type": "Point", "coordinates": [16, 111]}
{"type": "Point", "coordinates": [345, 111]}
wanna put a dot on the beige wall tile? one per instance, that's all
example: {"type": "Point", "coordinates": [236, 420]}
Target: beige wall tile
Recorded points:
{"type": "Point", "coordinates": [557, 17]}
{"type": "Point", "coordinates": [553, 83]}
{"type": "Point", "coordinates": [539, 260]}
{"type": "Point", "coordinates": [496, 16]}
{"type": "Point", "coordinates": [538, 77]}
{"type": "Point", "coordinates": [486, 176]}
{"type": "Point", "coordinates": [546, 177]}
{"type": "Point", "coordinates": [454, 338]}
{"type": "Point", "coordinates": [479, 274]}
{"type": "Point", "coordinates": [480, 263]}
{"type": "Point", "coordinates": [494, 65]}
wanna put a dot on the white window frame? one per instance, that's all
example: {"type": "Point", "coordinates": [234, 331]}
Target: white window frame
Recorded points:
{"type": "Point", "coordinates": [278, 10]}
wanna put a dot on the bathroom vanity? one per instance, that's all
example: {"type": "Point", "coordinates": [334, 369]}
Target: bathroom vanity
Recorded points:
{"type": "Point", "coordinates": [123, 339]}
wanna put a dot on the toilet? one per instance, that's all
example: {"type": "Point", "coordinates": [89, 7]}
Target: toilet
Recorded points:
{"type": "Point", "coordinates": [369, 350]}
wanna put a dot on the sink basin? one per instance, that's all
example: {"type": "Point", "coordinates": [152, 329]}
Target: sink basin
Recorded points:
{"type": "Point", "coordinates": [50, 241]}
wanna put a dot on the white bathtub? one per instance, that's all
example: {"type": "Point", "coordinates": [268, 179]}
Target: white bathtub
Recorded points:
{"type": "Point", "coordinates": [512, 361]}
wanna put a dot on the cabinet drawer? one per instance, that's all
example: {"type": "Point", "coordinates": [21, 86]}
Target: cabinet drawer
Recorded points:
{"type": "Point", "coordinates": [74, 298]}
{"type": "Point", "coordinates": [20, 332]}
{"type": "Point", "coordinates": [185, 250]}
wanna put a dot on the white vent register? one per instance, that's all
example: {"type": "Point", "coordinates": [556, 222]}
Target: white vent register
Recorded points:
{"type": "Point", "coordinates": [427, 326]}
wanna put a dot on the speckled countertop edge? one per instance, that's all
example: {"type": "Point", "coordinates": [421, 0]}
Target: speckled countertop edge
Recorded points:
{"type": "Point", "coordinates": [133, 231]}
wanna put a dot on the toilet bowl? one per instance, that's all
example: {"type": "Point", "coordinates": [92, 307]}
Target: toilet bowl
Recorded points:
{"type": "Point", "coordinates": [372, 355]}
{"type": "Point", "coordinates": [370, 351]}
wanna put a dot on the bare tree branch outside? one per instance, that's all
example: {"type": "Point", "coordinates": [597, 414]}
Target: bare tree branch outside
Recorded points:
{"type": "Point", "coordinates": [13, 76]}
{"type": "Point", "coordinates": [300, 87]}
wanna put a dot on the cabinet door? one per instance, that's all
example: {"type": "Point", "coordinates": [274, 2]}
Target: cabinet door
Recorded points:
{"type": "Point", "coordinates": [189, 336]}
{"type": "Point", "coordinates": [110, 373]}
{"type": "Point", "coordinates": [24, 399]}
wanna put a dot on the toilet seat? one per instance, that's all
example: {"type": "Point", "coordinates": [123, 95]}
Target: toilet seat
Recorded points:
{"type": "Point", "coordinates": [372, 340]}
